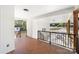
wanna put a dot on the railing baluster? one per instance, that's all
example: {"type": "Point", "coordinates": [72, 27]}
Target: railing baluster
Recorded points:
{"type": "Point", "coordinates": [50, 37]}
{"type": "Point", "coordinates": [68, 39]}
{"type": "Point", "coordinates": [38, 35]}
{"type": "Point", "coordinates": [55, 38]}
{"type": "Point", "coordinates": [62, 39]}
{"type": "Point", "coordinates": [65, 39]}
{"type": "Point", "coordinates": [57, 41]}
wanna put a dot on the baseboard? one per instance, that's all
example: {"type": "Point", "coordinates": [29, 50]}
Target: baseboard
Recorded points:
{"type": "Point", "coordinates": [11, 52]}
{"type": "Point", "coordinates": [31, 37]}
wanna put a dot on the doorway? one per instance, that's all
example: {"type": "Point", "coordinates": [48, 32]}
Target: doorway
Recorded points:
{"type": "Point", "coordinates": [20, 28]}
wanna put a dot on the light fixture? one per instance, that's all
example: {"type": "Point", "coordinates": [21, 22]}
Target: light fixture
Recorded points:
{"type": "Point", "coordinates": [26, 10]}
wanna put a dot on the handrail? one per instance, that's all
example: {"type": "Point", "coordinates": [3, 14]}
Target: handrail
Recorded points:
{"type": "Point", "coordinates": [55, 32]}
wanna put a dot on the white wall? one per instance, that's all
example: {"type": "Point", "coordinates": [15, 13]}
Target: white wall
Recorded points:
{"type": "Point", "coordinates": [7, 28]}
{"type": "Point", "coordinates": [61, 18]}
{"type": "Point", "coordinates": [38, 24]}
{"type": "Point", "coordinates": [29, 27]}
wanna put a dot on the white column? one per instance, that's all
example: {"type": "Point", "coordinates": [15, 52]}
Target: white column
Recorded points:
{"type": "Point", "coordinates": [7, 41]}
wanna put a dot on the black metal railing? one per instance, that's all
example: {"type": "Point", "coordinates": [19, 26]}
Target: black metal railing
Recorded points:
{"type": "Point", "coordinates": [62, 39]}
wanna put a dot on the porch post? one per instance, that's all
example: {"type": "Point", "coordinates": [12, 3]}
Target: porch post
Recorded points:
{"type": "Point", "coordinates": [75, 19]}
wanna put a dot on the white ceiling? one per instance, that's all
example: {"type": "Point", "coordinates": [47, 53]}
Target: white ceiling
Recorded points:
{"type": "Point", "coordinates": [36, 10]}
